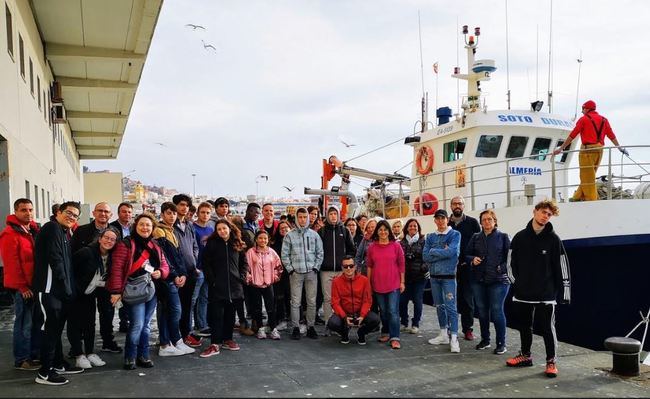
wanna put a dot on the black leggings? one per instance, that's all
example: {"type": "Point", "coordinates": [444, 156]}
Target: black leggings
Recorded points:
{"type": "Point", "coordinates": [81, 325]}
{"type": "Point", "coordinates": [256, 295]}
{"type": "Point", "coordinates": [526, 313]}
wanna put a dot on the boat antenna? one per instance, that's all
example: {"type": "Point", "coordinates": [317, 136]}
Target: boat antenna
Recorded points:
{"type": "Point", "coordinates": [579, 59]}
{"type": "Point", "coordinates": [550, 62]}
{"type": "Point", "coordinates": [457, 64]}
{"type": "Point", "coordinates": [425, 104]}
{"type": "Point", "coordinates": [507, 58]}
{"type": "Point", "coordinates": [537, 64]}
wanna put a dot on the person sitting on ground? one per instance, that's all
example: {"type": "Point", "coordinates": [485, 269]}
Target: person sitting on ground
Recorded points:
{"type": "Point", "coordinates": [351, 301]}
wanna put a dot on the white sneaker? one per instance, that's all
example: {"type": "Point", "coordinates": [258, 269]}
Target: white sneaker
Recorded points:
{"type": "Point", "coordinates": [261, 333]}
{"type": "Point", "coordinates": [282, 326]}
{"type": "Point", "coordinates": [180, 345]}
{"type": "Point", "coordinates": [170, 350]}
{"type": "Point", "coordinates": [404, 328]}
{"type": "Point", "coordinates": [454, 345]}
{"type": "Point", "coordinates": [82, 361]}
{"type": "Point", "coordinates": [442, 339]}
{"type": "Point", "coordinates": [303, 329]}
{"type": "Point", "coordinates": [414, 330]}
{"type": "Point", "coordinates": [275, 334]}
{"type": "Point", "coordinates": [95, 360]}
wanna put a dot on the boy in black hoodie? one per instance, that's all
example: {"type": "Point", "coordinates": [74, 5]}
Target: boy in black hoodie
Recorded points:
{"type": "Point", "coordinates": [539, 270]}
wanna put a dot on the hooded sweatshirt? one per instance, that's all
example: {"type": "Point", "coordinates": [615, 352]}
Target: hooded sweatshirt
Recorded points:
{"type": "Point", "coordinates": [337, 242]}
{"type": "Point", "coordinates": [168, 242]}
{"type": "Point", "coordinates": [302, 249]}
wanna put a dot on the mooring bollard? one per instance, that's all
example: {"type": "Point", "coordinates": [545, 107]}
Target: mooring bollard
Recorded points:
{"type": "Point", "coordinates": [625, 355]}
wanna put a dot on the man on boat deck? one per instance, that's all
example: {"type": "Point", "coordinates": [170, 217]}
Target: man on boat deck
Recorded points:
{"type": "Point", "coordinates": [592, 128]}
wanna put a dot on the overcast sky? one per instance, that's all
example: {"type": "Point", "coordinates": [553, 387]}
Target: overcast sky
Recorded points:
{"type": "Point", "coordinates": [291, 79]}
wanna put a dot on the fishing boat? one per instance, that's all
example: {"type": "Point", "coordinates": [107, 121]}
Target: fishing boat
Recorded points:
{"type": "Point", "coordinates": [501, 160]}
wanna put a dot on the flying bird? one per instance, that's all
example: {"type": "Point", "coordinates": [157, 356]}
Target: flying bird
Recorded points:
{"type": "Point", "coordinates": [195, 27]}
{"type": "Point", "coordinates": [347, 145]}
{"type": "Point", "coordinates": [207, 46]}
{"type": "Point", "coordinates": [289, 189]}
{"type": "Point", "coordinates": [161, 144]}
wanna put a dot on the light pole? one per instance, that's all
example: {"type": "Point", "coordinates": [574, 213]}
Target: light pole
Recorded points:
{"type": "Point", "coordinates": [193, 185]}
{"type": "Point", "coordinates": [257, 183]}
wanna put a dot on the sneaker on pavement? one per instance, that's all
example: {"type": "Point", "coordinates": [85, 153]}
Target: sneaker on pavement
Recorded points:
{"type": "Point", "coordinates": [66, 368]}
{"type": "Point", "coordinates": [483, 345]}
{"type": "Point", "coordinates": [345, 338]}
{"type": "Point", "coordinates": [129, 364]}
{"type": "Point", "coordinates": [361, 339]}
{"type": "Point", "coordinates": [192, 341]}
{"type": "Point", "coordinates": [303, 329]}
{"type": "Point", "coordinates": [454, 345]}
{"type": "Point", "coordinates": [112, 347]}
{"type": "Point", "coordinates": [186, 350]}
{"type": "Point", "coordinates": [395, 344]}
{"type": "Point", "coordinates": [211, 350]}
{"type": "Point", "coordinates": [275, 334]}
{"type": "Point", "coordinates": [261, 333]}
{"type": "Point", "coordinates": [311, 333]}
{"type": "Point", "coordinates": [404, 328]}
{"type": "Point", "coordinates": [295, 334]}
{"type": "Point", "coordinates": [551, 369]}
{"type": "Point", "coordinates": [414, 330]}
{"type": "Point", "coordinates": [282, 326]}
{"type": "Point", "coordinates": [83, 362]}
{"type": "Point", "coordinates": [143, 362]}
{"type": "Point", "coordinates": [247, 331]}
{"type": "Point", "coordinates": [500, 350]}
{"type": "Point", "coordinates": [383, 338]}
{"type": "Point", "coordinates": [469, 335]}
{"type": "Point", "coordinates": [95, 360]}
{"type": "Point", "coordinates": [520, 360]}
{"type": "Point", "coordinates": [230, 345]}
{"type": "Point", "coordinates": [27, 365]}
{"type": "Point", "coordinates": [442, 339]}
{"type": "Point", "coordinates": [204, 332]}
{"type": "Point", "coordinates": [51, 378]}
{"type": "Point", "coordinates": [169, 350]}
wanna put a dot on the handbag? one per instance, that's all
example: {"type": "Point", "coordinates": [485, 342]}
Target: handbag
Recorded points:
{"type": "Point", "coordinates": [138, 290]}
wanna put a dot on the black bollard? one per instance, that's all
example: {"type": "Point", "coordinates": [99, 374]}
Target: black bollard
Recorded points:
{"type": "Point", "coordinates": [625, 355]}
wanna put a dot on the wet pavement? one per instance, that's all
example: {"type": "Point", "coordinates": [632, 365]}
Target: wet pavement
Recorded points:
{"type": "Point", "coordinates": [326, 368]}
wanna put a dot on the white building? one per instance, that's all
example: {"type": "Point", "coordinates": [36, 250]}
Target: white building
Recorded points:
{"type": "Point", "coordinates": [69, 71]}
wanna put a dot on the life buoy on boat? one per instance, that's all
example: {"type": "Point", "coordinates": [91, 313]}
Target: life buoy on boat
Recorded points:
{"type": "Point", "coordinates": [427, 205]}
{"type": "Point", "coordinates": [424, 160]}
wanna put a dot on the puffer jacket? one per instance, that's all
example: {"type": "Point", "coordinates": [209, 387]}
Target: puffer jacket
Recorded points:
{"type": "Point", "coordinates": [225, 270]}
{"type": "Point", "coordinates": [416, 269]}
{"type": "Point", "coordinates": [493, 250]}
{"type": "Point", "coordinates": [441, 252]}
{"type": "Point", "coordinates": [122, 259]}
{"type": "Point", "coordinates": [17, 251]}
{"type": "Point", "coordinates": [264, 267]}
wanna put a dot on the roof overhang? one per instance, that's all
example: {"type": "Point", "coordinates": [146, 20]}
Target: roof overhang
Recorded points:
{"type": "Point", "coordinates": [97, 50]}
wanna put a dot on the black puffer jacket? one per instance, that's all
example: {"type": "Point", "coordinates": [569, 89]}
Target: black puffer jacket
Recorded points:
{"type": "Point", "coordinates": [416, 269]}
{"type": "Point", "coordinates": [493, 250]}
{"type": "Point", "coordinates": [225, 270]}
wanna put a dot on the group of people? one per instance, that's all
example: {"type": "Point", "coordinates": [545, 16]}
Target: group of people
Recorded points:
{"type": "Point", "coordinates": [200, 273]}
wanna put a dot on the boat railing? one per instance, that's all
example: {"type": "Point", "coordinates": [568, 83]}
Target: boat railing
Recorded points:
{"type": "Point", "coordinates": [621, 174]}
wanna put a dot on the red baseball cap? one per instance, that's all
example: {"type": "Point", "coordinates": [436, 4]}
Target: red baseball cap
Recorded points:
{"type": "Point", "coordinates": [589, 105]}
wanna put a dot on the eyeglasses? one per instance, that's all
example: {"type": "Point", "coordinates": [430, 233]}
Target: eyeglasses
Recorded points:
{"type": "Point", "coordinates": [456, 203]}
{"type": "Point", "coordinates": [109, 239]}
{"type": "Point", "coordinates": [102, 211]}
{"type": "Point", "coordinates": [348, 266]}
{"type": "Point", "coordinates": [71, 215]}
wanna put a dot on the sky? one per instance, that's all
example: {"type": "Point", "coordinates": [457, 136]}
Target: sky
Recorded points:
{"type": "Point", "coordinates": [290, 80]}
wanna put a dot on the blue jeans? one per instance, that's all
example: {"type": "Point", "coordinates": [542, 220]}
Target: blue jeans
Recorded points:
{"type": "Point", "coordinates": [168, 315]}
{"type": "Point", "coordinates": [200, 302]}
{"type": "Point", "coordinates": [25, 340]}
{"type": "Point", "coordinates": [489, 300]}
{"type": "Point", "coordinates": [389, 305]}
{"type": "Point", "coordinates": [413, 292]}
{"type": "Point", "coordinates": [443, 291]}
{"type": "Point", "coordinates": [137, 339]}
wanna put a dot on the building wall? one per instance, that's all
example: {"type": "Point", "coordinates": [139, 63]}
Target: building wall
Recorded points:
{"type": "Point", "coordinates": [103, 187]}
{"type": "Point", "coordinates": [41, 156]}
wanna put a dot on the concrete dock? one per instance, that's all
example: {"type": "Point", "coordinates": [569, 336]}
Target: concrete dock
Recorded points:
{"type": "Point", "coordinates": [326, 368]}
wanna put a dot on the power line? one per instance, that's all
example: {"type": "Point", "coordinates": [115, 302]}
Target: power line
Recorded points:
{"type": "Point", "coordinates": [376, 149]}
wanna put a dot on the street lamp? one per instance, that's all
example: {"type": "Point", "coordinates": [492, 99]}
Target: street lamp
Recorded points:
{"type": "Point", "coordinates": [194, 185]}
{"type": "Point", "coordinates": [257, 183]}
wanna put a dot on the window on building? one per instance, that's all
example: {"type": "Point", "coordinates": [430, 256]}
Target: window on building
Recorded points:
{"type": "Point", "coordinates": [49, 204]}
{"type": "Point", "coordinates": [454, 150]}
{"type": "Point", "coordinates": [37, 204]}
{"type": "Point", "coordinates": [38, 90]}
{"type": "Point", "coordinates": [488, 146]}
{"type": "Point", "coordinates": [31, 76]}
{"type": "Point", "coordinates": [21, 54]}
{"type": "Point", "coordinates": [564, 156]}
{"type": "Point", "coordinates": [43, 200]}
{"type": "Point", "coordinates": [44, 107]}
{"type": "Point", "coordinates": [516, 147]}
{"type": "Point", "coordinates": [10, 31]}
{"type": "Point", "coordinates": [27, 195]}
{"type": "Point", "coordinates": [540, 148]}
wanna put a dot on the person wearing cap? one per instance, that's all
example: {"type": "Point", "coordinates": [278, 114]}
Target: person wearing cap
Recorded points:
{"type": "Point", "coordinates": [592, 128]}
{"type": "Point", "coordinates": [441, 249]}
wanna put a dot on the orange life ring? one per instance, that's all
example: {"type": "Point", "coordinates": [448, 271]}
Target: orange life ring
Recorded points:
{"type": "Point", "coordinates": [424, 152]}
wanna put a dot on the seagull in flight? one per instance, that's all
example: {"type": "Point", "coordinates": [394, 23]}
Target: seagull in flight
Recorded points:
{"type": "Point", "coordinates": [347, 145]}
{"type": "Point", "coordinates": [195, 27]}
{"type": "Point", "coordinates": [289, 188]}
{"type": "Point", "coordinates": [208, 46]}
{"type": "Point", "coordinates": [160, 144]}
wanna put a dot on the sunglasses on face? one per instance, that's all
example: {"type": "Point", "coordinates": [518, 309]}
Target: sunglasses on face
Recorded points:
{"type": "Point", "coordinates": [347, 266]}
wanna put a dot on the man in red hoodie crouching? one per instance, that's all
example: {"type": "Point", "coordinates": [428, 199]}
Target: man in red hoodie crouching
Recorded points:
{"type": "Point", "coordinates": [351, 301]}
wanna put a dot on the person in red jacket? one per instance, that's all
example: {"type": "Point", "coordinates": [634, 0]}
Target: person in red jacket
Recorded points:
{"type": "Point", "coordinates": [351, 301]}
{"type": "Point", "coordinates": [17, 251]}
{"type": "Point", "coordinates": [592, 128]}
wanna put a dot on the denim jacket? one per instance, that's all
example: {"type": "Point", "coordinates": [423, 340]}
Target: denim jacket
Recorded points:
{"type": "Point", "coordinates": [441, 252]}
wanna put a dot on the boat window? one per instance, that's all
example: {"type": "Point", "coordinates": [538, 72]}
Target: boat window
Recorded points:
{"type": "Point", "coordinates": [540, 148]}
{"type": "Point", "coordinates": [516, 147]}
{"type": "Point", "coordinates": [488, 146]}
{"type": "Point", "coordinates": [564, 156]}
{"type": "Point", "coordinates": [453, 151]}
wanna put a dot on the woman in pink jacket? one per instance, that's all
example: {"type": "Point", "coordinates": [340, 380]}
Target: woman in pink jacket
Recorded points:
{"type": "Point", "coordinates": [264, 270]}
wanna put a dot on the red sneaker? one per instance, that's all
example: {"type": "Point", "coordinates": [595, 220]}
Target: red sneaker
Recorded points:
{"type": "Point", "coordinates": [210, 351]}
{"type": "Point", "coordinates": [551, 370]}
{"type": "Point", "coordinates": [394, 344]}
{"type": "Point", "coordinates": [469, 335]}
{"type": "Point", "coordinates": [190, 340]}
{"type": "Point", "coordinates": [383, 338]}
{"type": "Point", "coordinates": [520, 360]}
{"type": "Point", "coordinates": [230, 345]}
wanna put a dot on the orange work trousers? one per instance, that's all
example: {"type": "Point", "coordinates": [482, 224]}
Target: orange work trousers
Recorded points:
{"type": "Point", "coordinates": [589, 158]}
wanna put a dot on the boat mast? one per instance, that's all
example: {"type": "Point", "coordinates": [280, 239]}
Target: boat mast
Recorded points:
{"type": "Point", "coordinates": [478, 70]}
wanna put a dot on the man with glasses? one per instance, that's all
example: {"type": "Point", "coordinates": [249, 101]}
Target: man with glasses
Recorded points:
{"type": "Point", "coordinates": [53, 282]}
{"type": "Point", "coordinates": [466, 226]}
{"type": "Point", "coordinates": [82, 237]}
{"type": "Point", "coordinates": [351, 301]}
